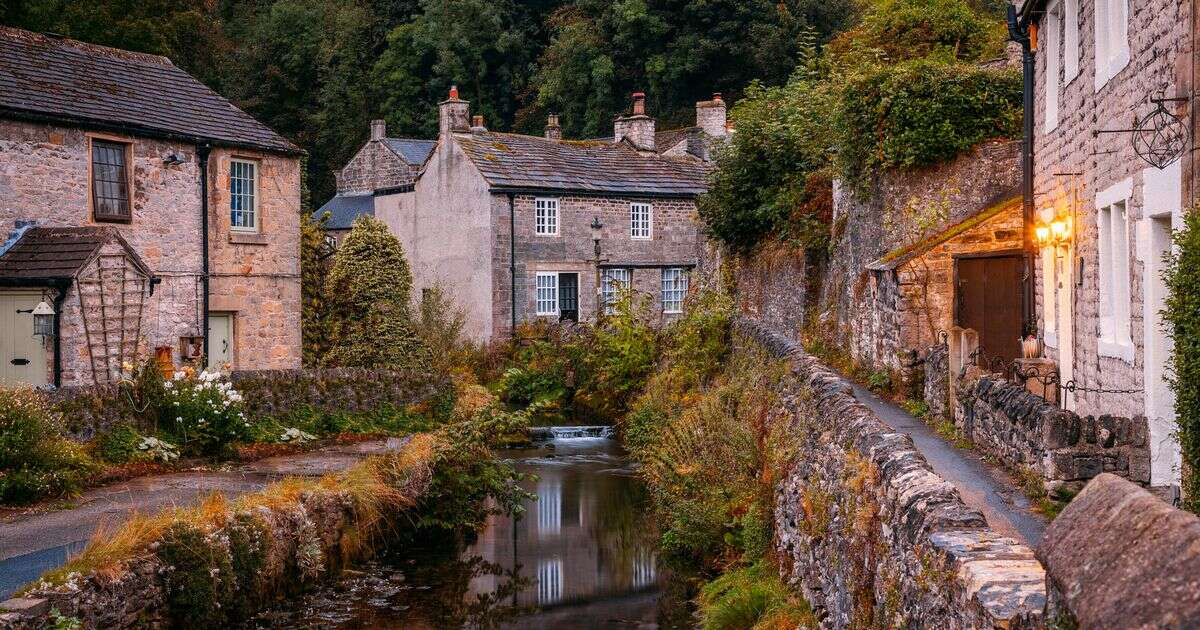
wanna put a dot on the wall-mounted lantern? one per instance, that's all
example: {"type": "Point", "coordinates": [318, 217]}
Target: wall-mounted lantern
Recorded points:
{"type": "Point", "coordinates": [43, 320]}
{"type": "Point", "coordinates": [1056, 233]}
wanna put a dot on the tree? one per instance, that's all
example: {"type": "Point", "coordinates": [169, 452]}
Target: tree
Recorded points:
{"type": "Point", "coordinates": [314, 269]}
{"type": "Point", "coordinates": [1182, 315]}
{"type": "Point", "coordinates": [369, 289]}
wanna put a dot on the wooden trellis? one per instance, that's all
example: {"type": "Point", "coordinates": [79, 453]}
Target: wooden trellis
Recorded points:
{"type": "Point", "coordinates": [112, 292]}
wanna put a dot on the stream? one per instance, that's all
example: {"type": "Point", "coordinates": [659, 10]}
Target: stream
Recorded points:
{"type": "Point", "coordinates": [582, 556]}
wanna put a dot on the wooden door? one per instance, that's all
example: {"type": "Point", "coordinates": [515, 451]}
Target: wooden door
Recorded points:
{"type": "Point", "coordinates": [220, 341]}
{"type": "Point", "coordinates": [22, 354]}
{"type": "Point", "coordinates": [568, 297]}
{"type": "Point", "coordinates": [988, 299]}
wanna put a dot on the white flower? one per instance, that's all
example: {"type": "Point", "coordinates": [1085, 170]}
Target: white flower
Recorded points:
{"type": "Point", "coordinates": [178, 418]}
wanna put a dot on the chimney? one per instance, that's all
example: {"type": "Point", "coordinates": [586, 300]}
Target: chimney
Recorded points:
{"type": "Point", "coordinates": [378, 130]}
{"type": "Point", "coordinates": [477, 124]}
{"type": "Point", "coordinates": [452, 114]}
{"type": "Point", "coordinates": [637, 127]}
{"type": "Point", "coordinates": [710, 116]}
{"type": "Point", "coordinates": [553, 131]}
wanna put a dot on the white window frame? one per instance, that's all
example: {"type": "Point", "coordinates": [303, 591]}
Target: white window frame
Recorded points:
{"type": "Point", "coordinates": [642, 230]}
{"type": "Point", "coordinates": [1112, 39]}
{"type": "Point", "coordinates": [546, 281]}
{"type": "Point", "coordinates": [1052, 49]}
{"type": "Point", "coordinates": [1070, 40]}
{"type": "Point", "coordinates": [1050, 296]}
{"type": "Point", "coordinates": [255, 215]}
{"type": "Point", "coordinates": [677, 276]}
{"type": "Point", "coordinates": [1115, 304]}
{"type": "Point", "coordinates": [545, 216]}
{"type": "Point", "coordinates": [608, 285]}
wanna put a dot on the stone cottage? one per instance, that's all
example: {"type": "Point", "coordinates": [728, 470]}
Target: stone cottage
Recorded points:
{"type": "Point", "coordinates": [145, 212]}
{"type": "Point", "coordinates": [1108, 74]}
{"type": "Point", "coordinates": [520, 227]}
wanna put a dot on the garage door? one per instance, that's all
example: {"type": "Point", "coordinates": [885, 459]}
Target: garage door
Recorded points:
{"type": "Point", "coordinates": [22, 354]}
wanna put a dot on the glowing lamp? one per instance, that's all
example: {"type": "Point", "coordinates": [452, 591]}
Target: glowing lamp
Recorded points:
{"type": "Point", "coordinates": [1042, 234]}
{"type": "Point", "coordinates": [43, 320]}
{"type": "Point", "coordinates": [1060, 230]}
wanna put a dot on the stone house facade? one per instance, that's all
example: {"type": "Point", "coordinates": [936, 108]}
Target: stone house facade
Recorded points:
{"type": "Point", "coordinates": [1099, 64]}
{"type": "Point", "coordinates": [510, 224]}
{"type": "Point", "coordinates": [137, 207]}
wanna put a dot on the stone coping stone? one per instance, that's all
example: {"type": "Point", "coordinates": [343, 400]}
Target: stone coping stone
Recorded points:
{"type": "Point", "coordinates": [1119, 553]}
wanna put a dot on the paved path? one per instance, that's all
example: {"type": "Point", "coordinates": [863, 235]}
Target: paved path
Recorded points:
{"type": "Point", "coordinates": [982, 486]}
{"type": "Point", "coordinates": [31, 544]}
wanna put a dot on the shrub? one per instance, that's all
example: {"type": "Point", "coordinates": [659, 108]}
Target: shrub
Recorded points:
{"type": "Point", "coordinates": [35, 460]}
{"type": "Point", "coordinates": [204, 413]}
{"type": "Point", "coordinates": [439, 325]}
{"type": "Point", "coordinates": [618, 358]}
{"type": "Point", "coordinates": [119, 445]}
{"type": "Point", "coordinates": [752, 597]}
{"type": "Point", "coordinates": [1182, 314]}
{"type": "Point", "coordinates": [368, 288]}
{"type": "Point", "coordinates": [199, 576]}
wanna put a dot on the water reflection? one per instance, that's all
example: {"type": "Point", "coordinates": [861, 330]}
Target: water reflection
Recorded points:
{"type": "Point", "coordinates": [583, 556]}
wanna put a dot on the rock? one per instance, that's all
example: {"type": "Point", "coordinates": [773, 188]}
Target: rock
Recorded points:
{"type": "Point", "coordinates": [26, 606]}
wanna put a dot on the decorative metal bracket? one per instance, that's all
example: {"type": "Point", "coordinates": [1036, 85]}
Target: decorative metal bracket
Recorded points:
{"type": "Point", "coordinates": [1159, 137]}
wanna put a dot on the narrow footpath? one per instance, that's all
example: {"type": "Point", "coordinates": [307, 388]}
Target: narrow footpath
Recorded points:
{"type": "Point", "coordinates": [33, 543]}
{"type": "Point", "coordinates": [984, 487]}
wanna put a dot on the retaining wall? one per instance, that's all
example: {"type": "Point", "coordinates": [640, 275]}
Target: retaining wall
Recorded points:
{"type": "Point", "coordinates": [866, 529]}
{"type": "Point", "coordinates": [1023, 431]}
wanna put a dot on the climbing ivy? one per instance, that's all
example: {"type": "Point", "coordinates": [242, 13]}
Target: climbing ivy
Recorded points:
{"type": "Point", "coordinates": [1183, 316]}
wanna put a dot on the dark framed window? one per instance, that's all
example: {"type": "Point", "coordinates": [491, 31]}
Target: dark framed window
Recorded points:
{"type": "Point", "coordinates": [110, 181]}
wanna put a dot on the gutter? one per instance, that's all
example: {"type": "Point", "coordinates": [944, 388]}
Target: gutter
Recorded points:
{"type": "Point", "coordinates": [58, 307]}
{"type": "Point", "coordinates": [202, 153]}
{"type": "Point", "coordinates": [534, 190]}
{"type": "Point", "coordinates": [1021, 31]}
{"type": "Point", "coordinates": [512, 260]}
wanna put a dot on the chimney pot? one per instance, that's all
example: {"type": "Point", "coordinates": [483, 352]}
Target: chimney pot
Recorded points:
{"type": "Point", "coordinates": [378, 129]}
{"type": "Point", "coordinates": [553, 130]}
{"type": "Point", "coordinates": [637, 127]}
{"type": "Point", "coordinates": [716, 96]}
{"type": "Point", "coordinates": [453, 114]}
{"type": "Point", "coordinates": [454, 92]}
{"type": "Point", "coordinates": [639, 103]}
{"type": "Point", "coordinates": [477, 122]}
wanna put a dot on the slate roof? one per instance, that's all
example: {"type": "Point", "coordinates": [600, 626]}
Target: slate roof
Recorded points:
{"type": "Point", "coordinates": [668, 138]}
{"type": "Point", "coordinates": [63, 80]}
{"type": "Point", "coordinates": [57, 253]}
{"type": "Point", "coordinates": [344, 208]}
{"type": "Point", "coordinates": [411, 150]}
{"type": "Point", "coordinates": [511, 161]}
{"type": "Point", "coordinates": [901, 255]}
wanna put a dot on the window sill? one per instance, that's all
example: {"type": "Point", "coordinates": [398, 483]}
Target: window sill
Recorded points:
{"type": "Point", "coordinates": [1114, 350]}
{"type": "Point", "coordinates": [672, 312]}
{"type": "Point", "coordinates": [545, 235]}
{"type": "Point", "coordinates": [248, 238]}
{"type": "Point", "coordinates": [641, 238]}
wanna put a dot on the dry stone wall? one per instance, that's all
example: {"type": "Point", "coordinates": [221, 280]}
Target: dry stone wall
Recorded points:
{"type": "Point", "coordinates": [1023, 431]}
{"type": "Point", "coordinates": [867, 530]}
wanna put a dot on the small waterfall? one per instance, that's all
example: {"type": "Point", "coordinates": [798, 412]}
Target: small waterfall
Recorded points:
{"type": "Point", "coordinates": [547, 434]}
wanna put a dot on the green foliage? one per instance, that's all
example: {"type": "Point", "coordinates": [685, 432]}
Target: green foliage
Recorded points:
{"type": "Point", "coordinates": [204, 413]}
{"type": "Point", "coordinates": [314, 267]}
{"type": "Point", "coordinates": [752, 598]}
{"type": "Point", "coordinates": [895, 30]}
{"type": "Point", "coordinates": [618, 357]}
{"type": "Point", "coordinates": [385, 419]}
{"type": "Point", "coordinates": [439, 325]}
{"type": "Point", "coordinates": [199, 576]}
{"type": "Point", "coordinates": [918, 408]}
{"type": "Point", "coordinates": [249, 538]}
{"type": "Point", "coordinates": [369, 290]}
{"type": "Point", "coordinates": [921, 112]}
{"type": "Point", "coordinates": [1182, 314]}
{"type": "Point", "coordinates": [119, 445]}
{"type": "Point", "coordinates": [59, 621]}
{"type": "Point", "coordinates": [36, 461]}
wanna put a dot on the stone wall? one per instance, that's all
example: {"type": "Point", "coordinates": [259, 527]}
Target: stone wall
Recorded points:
{"type": "Point", "coordinates": [772, 287]}
{"type": "Point", "coordinates": [936, 391]}
{"type": "Point", "coordinates": [375, 166]}
{"type": "Point", "coordinates": [1119, 557]}
{"type": "Point", "coordinates": [866, 529]}
{"type": "Point", "coordinates": [1023, 431]}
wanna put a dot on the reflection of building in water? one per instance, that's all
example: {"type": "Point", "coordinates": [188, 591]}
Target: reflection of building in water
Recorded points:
{"type": "Point", "coordinates": [583, 539]}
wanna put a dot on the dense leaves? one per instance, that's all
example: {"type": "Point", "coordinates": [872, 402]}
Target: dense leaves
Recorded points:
{"type": "Point", "coordinates": [1183, 316]}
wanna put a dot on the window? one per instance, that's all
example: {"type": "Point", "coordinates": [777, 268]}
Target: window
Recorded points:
{"type": "Point", "coordinates": [1114, 306]}
{"type": "Point", "coordinates": [1049, 296]}
{"type": "Point", "coordinates": [546, 217]}
{"type": "Point", "coordinates": [1070, 40]}
{"type": "Point", "coordinates": [674, 289]}
{"type": "Point", "coordinates": [110, 181]}
{"type": "Point", "coordinates": [640, 220]}
{"type": "Point", "coordinates": [547, 294]}
{"type": "Point", "coordinates": [1112, 39]}
{"type": "Point", "coordinates": [612, 280]}
{"type": "Point", "coordinates": [243, 193]}
{"type": "Point", "coordinates": [1052, 51]}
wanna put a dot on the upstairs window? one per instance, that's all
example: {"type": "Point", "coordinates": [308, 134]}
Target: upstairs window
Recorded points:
{"type": "Point", "coordinates": [1070, 16]}
{"type": "Point", "coordinates": [1114, 306]}
{"type": "Point", "coordinates": [612, 282]}
{"type": "Point", "coordinates": [110, 181]}
{"type": "Point", "coordinates": [674, 289]}
{"type": "Point", "coordinates": [243, 195]}
{"type": "Point", "coordinates": [1052, 50]}
{"type": "Point", "coordinates": [640, 220]}
{"type": "Point", "coordinates": [546, 216]}
{"type": "Point", "coordinates": [1112, 39]}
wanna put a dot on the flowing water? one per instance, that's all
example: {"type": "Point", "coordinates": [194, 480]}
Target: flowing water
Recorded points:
{"type": "Point", "coordinates": [583, 556]}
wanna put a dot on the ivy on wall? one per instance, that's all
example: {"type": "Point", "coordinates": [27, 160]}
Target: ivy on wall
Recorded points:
{"type": "Point", "coordinates": [1182, 313]}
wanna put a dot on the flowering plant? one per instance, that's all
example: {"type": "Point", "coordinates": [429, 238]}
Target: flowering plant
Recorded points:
{"type": "Point", "coordinates": [296, 436]}
{"type": "Point", "coordinates": [204, 412]}
{"type": "Point", "coordinates": [158, 450]}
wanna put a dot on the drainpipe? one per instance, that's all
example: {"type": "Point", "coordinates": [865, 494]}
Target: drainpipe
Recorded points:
{"type": "Point", "coordinates": [59, 300]}
{"type": "Point", "coordinates": [1019, 31]}
{"type": "Point", "coordinates": [202, 152]}
{"type": "Point", "coordinates": [512, 261]}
